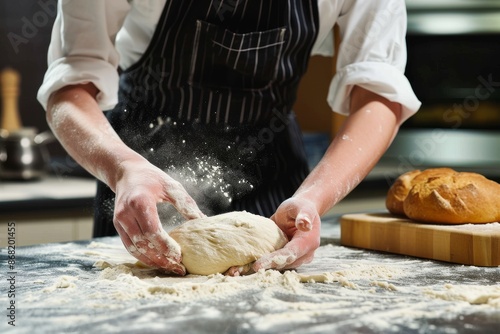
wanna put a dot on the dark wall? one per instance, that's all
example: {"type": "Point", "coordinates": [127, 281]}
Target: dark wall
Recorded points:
{"type": "Point", "coordinates": [25, 29]}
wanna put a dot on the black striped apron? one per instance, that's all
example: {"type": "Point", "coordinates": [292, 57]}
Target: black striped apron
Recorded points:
{"type": "Point", "coordinates": [210, 102]}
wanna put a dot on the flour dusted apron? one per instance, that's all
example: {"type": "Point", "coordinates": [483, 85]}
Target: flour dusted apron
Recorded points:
{"type": "Point", "coordinates": [210, 103]}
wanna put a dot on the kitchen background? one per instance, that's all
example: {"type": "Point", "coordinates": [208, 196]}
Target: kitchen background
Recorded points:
{"type": "Point", "coordinates": [453, 65]}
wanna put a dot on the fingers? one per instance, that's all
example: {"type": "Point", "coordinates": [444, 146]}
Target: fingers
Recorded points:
{"type": "Point", "coordinates": [136, 218]}
{"type": "Point", "coordinates": [305, 218]}
{"type": "Point", "coordinates": [276, 260]}
{"type": "Point", "coordinates": [247, 269]}
{"type": "Point", "coordinates": [145, 250]}
{"type": "Point", "coordinates": [145, 239]}
{"type": "Point", "coordinates": [303, 222]}
{"type": "Point", "coordinates": [304, 241]}
{"type": "Point", "coordinates": [182, 201]}
{"type": "Point", "coordinates": [130, 247]}
{"type": "Point", "coordinates": [296, 214]}
{"type": "Point", "coordinates": [282, 260]}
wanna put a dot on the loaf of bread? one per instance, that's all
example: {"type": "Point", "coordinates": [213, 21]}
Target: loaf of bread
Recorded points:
{"type": "Point", "coordinates": [442, 195]}
{"type": "Point", "coordinates": [398, 192]}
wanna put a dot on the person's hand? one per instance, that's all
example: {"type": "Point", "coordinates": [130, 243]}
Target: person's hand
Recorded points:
{"type": "Point", "coordinates": [138, 190]}
{"type": "Point", "coordinates": [300, 221]}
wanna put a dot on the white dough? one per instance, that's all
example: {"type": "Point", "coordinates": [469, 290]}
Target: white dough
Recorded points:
{"type": "Point", "coordinates": [214, 244]}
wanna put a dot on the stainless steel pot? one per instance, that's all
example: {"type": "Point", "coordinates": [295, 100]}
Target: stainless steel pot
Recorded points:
{"type": "Point", "coordinates": [24, 154]}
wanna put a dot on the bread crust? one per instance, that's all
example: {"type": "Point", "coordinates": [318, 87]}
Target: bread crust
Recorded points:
{"type": "Point", "coordinates": [398, 192]}
{"type": "Point", "coordinates": [442, 195]}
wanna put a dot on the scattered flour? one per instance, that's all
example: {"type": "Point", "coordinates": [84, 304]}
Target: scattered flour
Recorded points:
{"type": "Point", "coordinates": [131, 279]}
{"type": "Point", "coordinates": [489, 228]}
{"type": "Point", "coordinates": [384, 285]}
{"type": "Point", "coordinates": [476, 295]}
{"type": "Point", "coordinates": [101, 245]}
{"type": "Point", "coordinates": [128, 281]}
{"type": "Point", "coordinates": [62, 282]}
{"type": "Point", "coordinates": [346, 137]}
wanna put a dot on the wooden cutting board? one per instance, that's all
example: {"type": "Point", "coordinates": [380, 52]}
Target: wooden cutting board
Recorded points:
{"type": "Point", "coordinates": [470, 244]}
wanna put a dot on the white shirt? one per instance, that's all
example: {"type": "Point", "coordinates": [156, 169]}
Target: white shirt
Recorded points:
{"type": "Point", "coordinates": [91, 38]}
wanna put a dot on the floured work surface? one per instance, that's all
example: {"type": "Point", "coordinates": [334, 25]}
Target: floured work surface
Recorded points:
{"type": "Point", "coordinates": [97, 287]}
{"type": "Point", "coordinates": [470, 244]}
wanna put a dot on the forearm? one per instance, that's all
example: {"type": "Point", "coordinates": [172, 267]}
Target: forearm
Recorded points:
{"type": "Point", "coordinates": [81, 127]}
{"type": "Point", "coordinates": [363, 139]}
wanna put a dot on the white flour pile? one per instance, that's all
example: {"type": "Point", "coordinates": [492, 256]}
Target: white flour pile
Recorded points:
{"type": "Point", "coordinates": [474, 295]}
{"type": "Point", "coordinates": [127, 279]}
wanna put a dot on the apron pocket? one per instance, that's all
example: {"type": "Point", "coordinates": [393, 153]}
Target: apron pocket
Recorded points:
{"type": "Point", "coordinates": [223, 59]}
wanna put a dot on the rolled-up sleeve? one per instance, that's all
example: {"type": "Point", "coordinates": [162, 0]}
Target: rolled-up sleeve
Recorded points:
{"type": "Point", "coordinates": [82, 48]}
{"type": "Point", "coordinates": [372, 54]}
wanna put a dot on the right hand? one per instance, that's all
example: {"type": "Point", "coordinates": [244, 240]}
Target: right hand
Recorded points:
{"type": "Point", "coordinates": [299, 219]}
{"type": "Point", "coordinates": [138, 190]}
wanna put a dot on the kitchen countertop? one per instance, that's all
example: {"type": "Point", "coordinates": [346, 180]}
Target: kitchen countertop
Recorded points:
{"type": "Point", "coordinates": [58, 288]}
{"type": "Point", "coordinates": [48, 193]}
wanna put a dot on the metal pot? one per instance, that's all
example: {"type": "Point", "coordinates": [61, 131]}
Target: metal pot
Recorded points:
{"type": "Point", "coordinates": [24, 154]}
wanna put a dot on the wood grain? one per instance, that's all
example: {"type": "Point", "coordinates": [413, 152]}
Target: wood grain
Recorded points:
{"type": "Point", "coordinates": [477, 244]}
{"type": "Point", "coordinates": [9, 80]}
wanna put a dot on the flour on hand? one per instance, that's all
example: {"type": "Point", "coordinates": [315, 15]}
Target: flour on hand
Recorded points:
{"type": "Point", "coordinates": [214, 244]}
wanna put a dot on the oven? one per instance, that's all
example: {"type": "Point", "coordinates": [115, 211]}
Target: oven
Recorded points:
{"type": "Point", "coordinates": [454, 68]}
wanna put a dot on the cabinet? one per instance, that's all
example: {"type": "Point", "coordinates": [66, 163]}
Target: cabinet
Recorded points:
{"type": "Point", "coordinates": [38, 228]}
{"type": "Point", "coordinates": [54, 209]}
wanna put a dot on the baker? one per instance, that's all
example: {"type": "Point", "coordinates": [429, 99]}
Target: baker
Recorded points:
{"type": "Point", "coordinates": [197, 86]}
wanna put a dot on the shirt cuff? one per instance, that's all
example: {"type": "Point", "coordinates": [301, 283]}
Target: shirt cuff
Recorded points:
{"type": "Point", "coordinates": [81, 70]}
{"type": "Point", "coordinates": [380, 78]}
{"type": "Point", "coordinates": [325, 47]}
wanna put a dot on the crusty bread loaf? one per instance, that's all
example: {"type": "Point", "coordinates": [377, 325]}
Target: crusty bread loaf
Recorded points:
{"type": "Point", "coordinates": [398, 192]}
{"type": "Point", "coordinates": [442, 195]}
{"type": "Point", "coordinates": [403, 184]}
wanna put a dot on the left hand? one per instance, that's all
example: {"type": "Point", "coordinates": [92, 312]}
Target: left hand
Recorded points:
{"type": "Point", "coordinates": [300, 221]}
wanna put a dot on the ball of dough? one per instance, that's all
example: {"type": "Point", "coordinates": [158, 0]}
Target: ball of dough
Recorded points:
{"type": "Point", "coordinates": [214, 244]}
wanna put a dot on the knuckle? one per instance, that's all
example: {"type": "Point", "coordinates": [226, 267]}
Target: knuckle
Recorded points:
{"type": "Point", "coordinates": [133, 251]}
{"type": "Point", "coordinates": [136, 202]}
{"type": "Point", "coordinates": [119, 217]}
